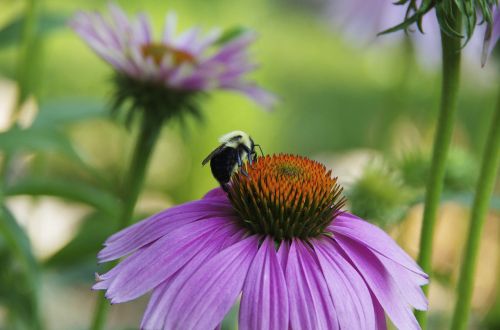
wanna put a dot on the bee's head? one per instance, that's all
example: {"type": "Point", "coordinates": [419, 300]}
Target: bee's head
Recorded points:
{"type": "Point", "coordinates": [237, 139]}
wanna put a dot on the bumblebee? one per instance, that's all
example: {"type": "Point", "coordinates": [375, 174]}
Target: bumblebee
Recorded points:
{"type": "Point", "coordinates": [229, 155]}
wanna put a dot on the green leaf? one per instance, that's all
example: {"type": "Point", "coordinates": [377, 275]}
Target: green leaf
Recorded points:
{"type": "Point", "coordinates": [68, 111]}
{"type": "Point", "coordinates": [36, 139]}
{"type": "Point", "coordinates": [23, 293]}
{"type": "Point", "coordinates": [49, 22]}
{"type": "Point", "coordinates": [231, 34]}
{"type": "Point", "coordinates": [73, 190]}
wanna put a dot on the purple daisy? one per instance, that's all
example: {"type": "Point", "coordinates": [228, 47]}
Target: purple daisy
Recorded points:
{"type": "Point", "coordinates": [491, 36]}
{"type": "Point", "coordinates": [189, 62]}
{"type": "Point", "coordinates": [279, 240]}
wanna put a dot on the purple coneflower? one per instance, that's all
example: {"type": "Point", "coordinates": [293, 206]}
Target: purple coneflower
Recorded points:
{"type": "Point", "coordinates": [155, 73]}
{"type": "Point", "coordinates": [491, 36]}
{"type": "Point", "coordinates": [278, 238]}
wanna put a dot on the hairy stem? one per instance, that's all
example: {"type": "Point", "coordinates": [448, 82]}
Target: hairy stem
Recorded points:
{"type": "Point", "coordinates": [451, 48]}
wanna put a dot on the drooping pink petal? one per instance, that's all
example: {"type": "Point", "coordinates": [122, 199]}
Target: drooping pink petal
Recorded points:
{"type": "Point", "coordinates": [381, 323]}
{"type": "Point", "coordinates": [156, 226]}
{"type": "Point", "coordinates": [380, 283]}
{"type": "Point", "coordinates": [309, 299]}
{"type": "Point", "coordinates": [164, 294]}
{"type": "Point", "coordinates": [155, 263]}
{"type": "Point", "coordinates": [348, 290]}
{"type": "Point", "coordinates": [375, 239]}
{"type": "Point", "coordinates": [264, 303]}
{"type": "Point", "coordinates": [208, 294]}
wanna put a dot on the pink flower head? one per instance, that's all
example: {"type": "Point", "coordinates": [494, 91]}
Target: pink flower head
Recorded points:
{"type": "Point", "coordinates": [188, 62]}
{"type": "Point", "coordinates": [278, 239]}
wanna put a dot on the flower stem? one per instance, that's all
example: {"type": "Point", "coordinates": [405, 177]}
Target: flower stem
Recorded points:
{"type": "Point", "coordinates": [484, 190]}
{"type": "Point", "coordinates": [27, 63]}
{"type": "Point", "coordinates": [451, 48]}
{"type": "Point", "coordinates": [146, 140]}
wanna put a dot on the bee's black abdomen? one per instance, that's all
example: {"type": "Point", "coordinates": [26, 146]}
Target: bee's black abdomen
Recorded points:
{"type": "Point", "coordinates": [222, 165]}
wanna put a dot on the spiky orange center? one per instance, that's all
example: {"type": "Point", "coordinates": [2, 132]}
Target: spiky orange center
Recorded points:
{"type": "Point", "coordinates": [286, 196]}
{"type": "Point", "coordinates": [157, 51]}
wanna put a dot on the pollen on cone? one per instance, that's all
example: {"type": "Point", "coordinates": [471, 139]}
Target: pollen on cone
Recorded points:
{"type": "Point", "coordinates": [286, 196]}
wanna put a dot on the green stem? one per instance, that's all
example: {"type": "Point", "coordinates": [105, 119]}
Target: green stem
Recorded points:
{"type": "Point", "coordinates": [451, 48]}
{"type": "Point", "coordinates": [148, 135]}
{"type": "Point", "coordinates": [27, 54]}
{"type": "Point", "coordinates": [484, 190]}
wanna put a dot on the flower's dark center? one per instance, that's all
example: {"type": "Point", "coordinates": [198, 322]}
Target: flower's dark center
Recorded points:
{"type": "Point", "coordinates": [157, 51]}
{"type": "Point", "coordinates": [286, 196]}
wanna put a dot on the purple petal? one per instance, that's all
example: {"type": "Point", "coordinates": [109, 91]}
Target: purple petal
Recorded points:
{"type": "Point", "coordinates": [348, 290]}
{"type": "Point", "coordinates": [381, 323]}
{"type": "Point", "coordinates": [119, 17]}
{"type": "Point", "coordinates": [169, 29]}
{"type": "Point", "coordinates": [131, 238]}
{"type": "Point", "coordinates": [310, 303]}
{"type": "Point", "coordinates": [380, 283]}
{"type": "Point", "coordinates": [491, 36]}
{"type": "Point", "coordinates": [264, 304]}
{"type": "Point", "coordinates": [234, 48]}
{"type": "Point", "coordinates": [165, 293]}
{"type": "Point", "coordinates": [216, 193]}
{"type": "Point", "coordinates": [155, 263]}
{"type": "Point", "coordinates": [187, 38]}
{"type": "Point", "coordinates": [282, 254]}
{"type": "Point", "coordinates": [206, 41]}
{"type": "Point", "coordinates": [375, 239]}
{"type": "Point", "coordinates": [208, 294]}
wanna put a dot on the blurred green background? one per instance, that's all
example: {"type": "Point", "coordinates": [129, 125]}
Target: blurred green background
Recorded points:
{"type": "Point", "coordinates": [366, 110]}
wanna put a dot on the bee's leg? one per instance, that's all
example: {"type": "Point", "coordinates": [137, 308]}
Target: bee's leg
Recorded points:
{"type": "Point", "coordinates": [224, 187]}
{"type": "Point", "coordinates": [240, 165]}
{"type": "Point", "coordinates": [249, 154]}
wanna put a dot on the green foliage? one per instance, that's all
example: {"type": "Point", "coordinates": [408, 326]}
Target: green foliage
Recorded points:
{"type": "Point", "coordinates": [19, 282]}
{"type": "Point", "coordinates": [230, 34]}
{"type": "Point", "coordinates": [460, 174]}
{"type": "Point", "coordinates": [446, 10]}
{"type": "Point", "coordinates": [10, 33]}
{"type": "Point", "coordinates": [95, 228]}
{"type": "Point", "coordinates": [379, 196]}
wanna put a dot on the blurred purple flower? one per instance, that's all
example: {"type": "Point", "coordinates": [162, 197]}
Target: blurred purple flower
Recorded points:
{"type": "Point", "coordinates": [190, 62]}
{"type": "Point", "coordinates": [198, 257]}
{"type": "Point", "coordinates": [491, 36]}
{"type": "Point", "coordinates": [362, 21]}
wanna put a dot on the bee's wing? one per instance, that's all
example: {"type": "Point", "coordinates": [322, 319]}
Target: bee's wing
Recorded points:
{"type": "Point", "coordinates": [213, 154]}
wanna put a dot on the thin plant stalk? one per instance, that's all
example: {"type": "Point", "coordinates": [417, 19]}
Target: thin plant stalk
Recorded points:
{"type": "Point", "coordinates": [145, 143]}
{"type": "Point", "coordinates": [484, 190]}
{"type": "Point", "coordinates": [25, 69]}
{"type": "Point", "coordinates": [451, 48]}
{"type": "Point", "coordinates": [27, 61]}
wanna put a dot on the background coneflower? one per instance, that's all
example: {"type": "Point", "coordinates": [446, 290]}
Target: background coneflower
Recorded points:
{"type": "Point", "coordinates": [164, 76]}
{"type": "Point", "coordinates": [280, 238]}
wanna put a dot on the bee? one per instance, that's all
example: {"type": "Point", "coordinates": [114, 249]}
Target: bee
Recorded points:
{"type": "Point", "coordinates": [234, 148]}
